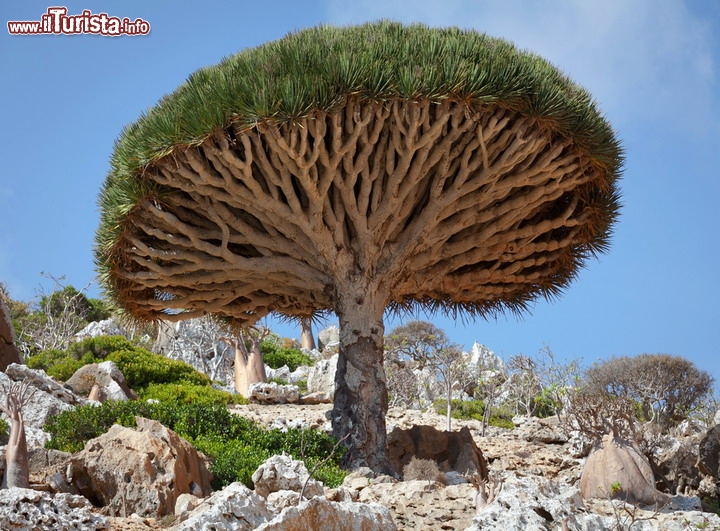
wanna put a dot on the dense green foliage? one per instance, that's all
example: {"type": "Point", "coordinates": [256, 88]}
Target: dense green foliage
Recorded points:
{"type": "Point", "coordinates": [142, 367]}
{"type": "Point", "coordinates": [90, 350]}
{"type": "Point", "coordinates": [4, 431]}
{"type": "Point", "coordinates": [139, 366]}
{"type": "Point", "coordinates": [235, 445]}
{"type": "Point", "coordinates": [474, 410]}
{"type": "Point", "coordinates": [187, 393]}
{"type": "Point", "coordinates": [275, 356]}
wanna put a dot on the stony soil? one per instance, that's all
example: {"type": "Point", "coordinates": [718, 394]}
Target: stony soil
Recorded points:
{"type": "Point", "coordinates": [429, 505]}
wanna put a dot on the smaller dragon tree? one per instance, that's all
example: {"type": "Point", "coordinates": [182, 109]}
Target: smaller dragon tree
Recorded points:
{"type": "Point", "coordinates": [17, 471]}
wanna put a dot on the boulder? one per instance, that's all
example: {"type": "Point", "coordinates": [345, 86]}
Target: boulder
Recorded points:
{"type": "Point", "coordinates": [455, 450]}
{"type": "Point", "coordinates": [235, 507]}
{"type": "Point", "coordinates": [106, 375]}
{"type": "Point", "coordinates": [536, 504]}
{"type": "Point", "coordinates": [321, 378]}
{"type": "Point", "coordinates": [329, 338]}
{"type": "Point", "coordinates": [24, 509]}
{"type": "Point", "coordinates": [49, 398]}
{"type": "Point", "coordinates": [320, 513]}
{"type": "Point", "coordinates": [140, 471]}
{"type": "Point", "coordinates": [677, 462]}
{"type": "Point", "coordinates": [616, 468]}
{"type": "Point", "coordinates": [8, 351]}
{"type": "Point", "coordinates": [108, 327]}
{"type": "Point", "coordinates": [281, 373]}
{"type": "Point", "coordinates": [709, 453]}
{"type": "Point", "coordinates": [318, 397]}
{"type": "Point", "coordinates": [533, 429]}
{"type": "Point", "coordinates": [282, 472]}
{"type": "Point", "coordinates": [273, 393]}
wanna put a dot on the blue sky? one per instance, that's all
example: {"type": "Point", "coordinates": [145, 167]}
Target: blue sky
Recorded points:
{"type": "Point", "coordinates": [652, 66]}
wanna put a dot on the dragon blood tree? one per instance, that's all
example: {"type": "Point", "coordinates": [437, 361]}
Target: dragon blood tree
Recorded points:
{"type": "Point", "coordinates": [354, 170]}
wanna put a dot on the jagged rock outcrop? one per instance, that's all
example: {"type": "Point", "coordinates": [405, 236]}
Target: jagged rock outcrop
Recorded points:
{"type": "Point", "coordinates": [320, 513]}
{"type": "Point", "coordinates": [321, 378]}
{"type": "Point", "coordinates": [108, 327]}
{"type": "Point", "coordinates": [235, 507]}
{"type": "Point", "coordinates": [23, 509]}
{"type": "Point", "coordinates": [536, 504]}
{"type": "Point", "coordinates": [329, 338]}
{"type": "Point", "coordinates": [533, 429]}
{"type": "Point", "coordinates": [106, 376]}
{"type": "Point", "coordinates": [481, 358]}
{"type": "Point", "coordinates": [8, 351]}
{"type": "Point", "coordinates": [50, 397]}
{"type": "Point", "coordinates": [282, 472]}
{"type": "Point", "coordinates": [273, 393]}
{"type": "Point", "coordinates": [617, 469]}
{"type": "Point", "coordinates": [709, 453]}
{"type": "Point", "coordinates": [139, 471]}
{"type": "Point", "coordinates": [455, 450]}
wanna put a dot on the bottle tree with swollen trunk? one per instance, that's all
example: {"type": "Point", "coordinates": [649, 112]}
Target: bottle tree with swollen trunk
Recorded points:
{"type": "Point", "coordinates": [352, 170]}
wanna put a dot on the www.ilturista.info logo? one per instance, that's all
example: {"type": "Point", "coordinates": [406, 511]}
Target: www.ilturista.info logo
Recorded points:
{"type": "Point", "coordinates": [56, 21]}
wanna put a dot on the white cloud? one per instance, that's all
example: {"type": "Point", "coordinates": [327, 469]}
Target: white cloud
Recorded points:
{"type": "Point", "coordinates": [643, 60]}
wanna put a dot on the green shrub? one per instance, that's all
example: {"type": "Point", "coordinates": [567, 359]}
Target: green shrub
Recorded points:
{"type": "Point", "coordinates": [236, 445]}
{"type": "Point", "coordinates": [500, 422]}
{"type": "Point", "coordinates": [141, 368]}
{"type": "Point", "coordinates": [70, 430]}
{"type": "Point", "coordinates": [276, 357]}
{"type": "Point", "coordinates": [4, 431]}
{"type": "Point", "coordinates": [278, 381]}
{"type": "Point", "coordinates": [64, 369]}
{"type": "Point", "coordinates": [302, 386]}
{"type": "Point", "coordinates": [461, 409]}
{"type": "Point", "coordinates": [186, 393]}
{"type": "Point", "coordinates": [99, 347]}
{"type": "Point", "coordinates": [232, 460]}
{"type": "Point", "coordinates": [46, 359]}
{"type": "Point", "coordinates": [474, 410]}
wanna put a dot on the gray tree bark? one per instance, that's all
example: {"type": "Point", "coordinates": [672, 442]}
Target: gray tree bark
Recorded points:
{"type": "Point", "coordinates": [361, 401]}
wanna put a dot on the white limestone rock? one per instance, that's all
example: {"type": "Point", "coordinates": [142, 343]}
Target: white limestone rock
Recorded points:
{"type": "Point", "coordinates": [282, 472]}
{"type": "Point", "coordinates": [23, 509]}
{"type": "Point", "coordinates": [235, 507]}
{"type": "Point", "coordinates": [273, 393]}
{"type": "Point", "coordinates": [108, 327]}
{"type": "Point", "coordinates": [320, 513]}
{"type": "Point", "coordinates": [321, 378]}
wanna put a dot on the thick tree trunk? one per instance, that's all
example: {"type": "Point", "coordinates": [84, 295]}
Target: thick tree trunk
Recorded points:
{"type": "Point", "coordinates": [360, 388]}
{"type": "Point", "coordinates": [249, 368]}
{"type": "Point", "coordinates": [307, 340]}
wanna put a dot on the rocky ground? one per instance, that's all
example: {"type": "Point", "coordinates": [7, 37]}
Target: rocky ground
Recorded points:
{"type": "Point", "coordinates": [537, 467]}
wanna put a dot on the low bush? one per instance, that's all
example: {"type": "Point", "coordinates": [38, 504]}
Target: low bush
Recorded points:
{"type": "Point", "coordinates": [70, 430]}
{"type": "Point", "coordinates": [461, 409]}
{"type": "Point", "coordinates": [141, 368]}
{"type": "Point", "coordinates": [99, 348]}
{"type": "Point", "coordinates": [4, 431]}
{"type": "Point", "coordinates": [474, 410]}
{"type": "Point", "coordinates": [64, 369]}
{"type": "Point", "coordinates": [186, 393]}
{"type": "Point", "coordinates": [235, 445]}
{"type": "Point", "coordinates": [276, 357]}
{"type": "Point", "coordinates": [422, 469]}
